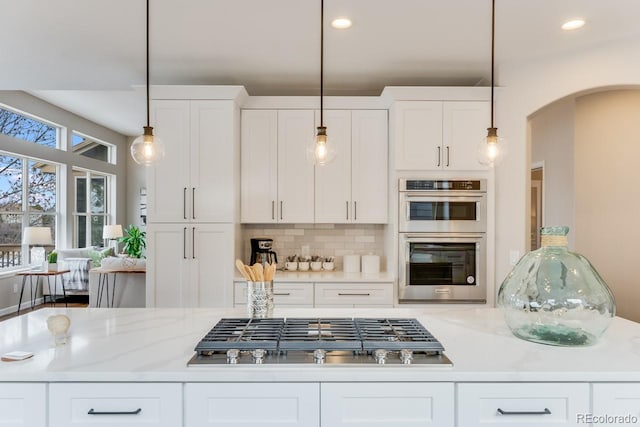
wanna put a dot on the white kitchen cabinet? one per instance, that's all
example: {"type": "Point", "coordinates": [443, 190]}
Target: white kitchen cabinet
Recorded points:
{"type": "Point", "coordinates": [195, 181]}
{"type": "Point", "coordinates": [616, 399]}
{"type": "Point", "coordinates": [353, 295]}
{"type": "Point", "coordinates": [439, 135]}
{"type": "Point", "coordinates": [121, 404]}
{"type": "Point", "coordinates": [284, 294]}
{"type": "Point", "coordinates": [353, 188]}
{"type": "Point", "coordinates": [522, 404]}
{"type": "Point", "coordinates": [276, 177]}
{"type": "Point", "coordinates": [189, 265]}
{"type": "Point", "coordinates": [387, 404]}
{"type": "Point", "coordinates": [252, 404]}
{"type": "Point", "coordinates": [23, 404]}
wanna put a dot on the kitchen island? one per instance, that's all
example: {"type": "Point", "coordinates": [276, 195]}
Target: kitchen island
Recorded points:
{"type": "Point", "coordinates": [491, 367]}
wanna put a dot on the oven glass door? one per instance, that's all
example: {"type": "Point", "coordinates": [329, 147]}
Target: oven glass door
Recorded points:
{"type": "Point", "coordinates": [441, 264]}
{"type": "Point", "coordinates": [442, 210]}
{"type": "Point", "coordinates": [422, 213]}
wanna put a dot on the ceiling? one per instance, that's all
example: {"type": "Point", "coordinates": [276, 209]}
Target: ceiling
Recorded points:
{"type": "Point", "coordinates": [88, 56]}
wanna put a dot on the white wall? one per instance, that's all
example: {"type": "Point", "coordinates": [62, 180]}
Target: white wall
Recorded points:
{"type": "Point", "coordinates": [552, 143]}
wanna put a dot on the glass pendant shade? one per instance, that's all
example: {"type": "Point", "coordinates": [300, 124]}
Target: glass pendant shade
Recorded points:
{"type": "Point", "coordinates": [492, 149]}
{"type": "Point", "coordinates": [147, 149]}
{"type": "Point", "coordinates": [321, 151]}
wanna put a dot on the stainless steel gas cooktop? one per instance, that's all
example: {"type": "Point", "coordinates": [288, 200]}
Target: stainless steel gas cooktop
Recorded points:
{"type": "Point", "coordinates": [319, 341]}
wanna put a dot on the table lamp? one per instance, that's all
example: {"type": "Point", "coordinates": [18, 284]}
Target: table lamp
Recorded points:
{"type": "Point", "coordinates": [37, 237]}
{"type": "Point", "coordinates": [112, 232]}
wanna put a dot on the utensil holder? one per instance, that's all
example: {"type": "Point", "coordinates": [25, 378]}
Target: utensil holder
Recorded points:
{"type": "Point", "coordinates": [260, 299]}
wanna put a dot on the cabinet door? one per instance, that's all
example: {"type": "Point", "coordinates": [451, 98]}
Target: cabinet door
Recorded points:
{"type": "Point", "coordinates": [23, 404]}
{"type": "Point", "coordinates": [333, 180]}
{"type": "Point", "coordinates": [167, 265]}
{"type": "Point", "coordinates": [252, 404]}
{"type": "Point", "coordinates": [295, 173]}
{"type": "Point", "coordinates": [259, 166]}
{"type": "Point", "coordinates": [616, 400]}
{"type": "Point", "coordinates": [214, 152]}
{"type": "Point", "coordinates": [369, 166]}
{"type": "Point", "coordinates": [418, 134]}
{"type": "Point", "coordinates": [521, 404]}
{"type": "Point", "coordinates": [353, 294]}
{"type": "Point", "coordinates": [211, 256]}
{"type": "Point", "coordinates": [464, 126]}
{"type": "Point", "coordinates": [168, 181]}
{"type": "Point", "coordinates": [387, 404]}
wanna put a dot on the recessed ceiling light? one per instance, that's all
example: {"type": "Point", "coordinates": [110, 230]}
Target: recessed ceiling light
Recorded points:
{"type": "Point", "coordinates": [573, 24]}
{"type": "Point", "coordinates": [341, 23]}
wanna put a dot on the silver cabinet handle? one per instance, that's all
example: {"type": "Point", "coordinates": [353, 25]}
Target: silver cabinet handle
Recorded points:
{"type": "Point", "coordinates": [347, 203]}
{"type": "Point", "coordinates": [281, 209]}
{"type": "Point", "coordinates": [273, 210]}
{"type": "Point", "coordinates": [447, 156]}
{"type": "Point", "coordinates": [355, 211]}
{"type": "Point", "coordinates": [135, 412]}
{"type": "Point", "coordinates": [184, 203]}
{"type": "Point", "coordinates": [546, 411]}
{"type": "Point", "coordinates": [283, 294]}
{"type": "Point", "coordinates": [184, 243]}
{"type": "Point", "coordinates": [193, 243]}
{"type": "Point", "coordinates": [193, 202]}
{"type": "Point", "coordinates": [353, 294]}
{"type": "Point", "coordinates": [438, 155]}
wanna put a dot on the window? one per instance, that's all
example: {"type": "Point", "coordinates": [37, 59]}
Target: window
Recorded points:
{"type": "Point", "coordinates": [92, 207]}
{"type": "Point", "coordinates": [25, 203]}
{"type": "Point", "coordinates": [29, 129]}
{"type": "Point", "coordinates": [91, 147]}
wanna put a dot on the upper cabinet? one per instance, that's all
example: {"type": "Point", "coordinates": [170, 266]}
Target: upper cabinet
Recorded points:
{"type": "Point", "coordinates": [437, 135]}
{"type": "Point", "coordinates": [279, 183]}
{"type": "Point", "coordinates": [195, 181]}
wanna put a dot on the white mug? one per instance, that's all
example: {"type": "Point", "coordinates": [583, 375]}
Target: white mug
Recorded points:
{"type": "Point", "coordinates": [303, 265]}
{"type": "Point", "coordinates": [291, 265]}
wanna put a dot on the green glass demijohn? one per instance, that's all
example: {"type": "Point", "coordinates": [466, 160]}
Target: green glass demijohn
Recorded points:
{"type": "Point", "coordinates": [554, 296]}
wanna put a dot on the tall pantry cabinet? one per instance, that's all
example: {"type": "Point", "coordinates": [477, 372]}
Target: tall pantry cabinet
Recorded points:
{"type": "Point", "coordinates": [193, 204]}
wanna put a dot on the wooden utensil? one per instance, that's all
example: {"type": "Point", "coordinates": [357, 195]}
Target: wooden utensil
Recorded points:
{"type": "Point", "coordinates": [240, 266]}
{"type": "Point", "coordinates": [258, 272]}
{"type": "Point", "coordinates": [249, 273]}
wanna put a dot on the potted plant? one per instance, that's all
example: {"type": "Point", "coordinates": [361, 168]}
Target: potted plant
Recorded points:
{"type": "Point", "coordinates": [52, 261]}
{"type": "Point", "coordinates": [134, 241]}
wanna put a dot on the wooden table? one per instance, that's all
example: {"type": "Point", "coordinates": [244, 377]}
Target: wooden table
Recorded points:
{"type": "Point", "coordinates": [38, 275]}
{"type": "Point", "coordinates": [103, 282]}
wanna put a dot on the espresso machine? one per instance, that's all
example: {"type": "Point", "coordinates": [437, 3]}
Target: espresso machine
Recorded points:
{"type": "Point", "coordinates": [261, 252]}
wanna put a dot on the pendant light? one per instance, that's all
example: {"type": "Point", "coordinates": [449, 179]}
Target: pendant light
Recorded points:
{"type": "Point", "coordinates": [147, 149]}
{"type": "Point", "coordinates": [492, 149]}
{"type": "Point", "coordinates": [321, 152]}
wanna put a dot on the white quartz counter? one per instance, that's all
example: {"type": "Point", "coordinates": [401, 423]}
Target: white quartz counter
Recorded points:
{"type": "Point", "coordinates": [328, 277]}
{"type": "Point", "coordinates": [155, 345]}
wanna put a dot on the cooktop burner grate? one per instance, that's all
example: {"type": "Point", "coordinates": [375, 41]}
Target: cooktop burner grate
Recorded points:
{"type": "Point", "coordinates": [243, 334]}
{"type": "Point", "coordinates": [319, 333]}
{"type": "Point", "coordinates": [396, 334]}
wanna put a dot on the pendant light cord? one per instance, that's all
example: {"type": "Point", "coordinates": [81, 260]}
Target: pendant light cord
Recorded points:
{"type": "Point", "coordinates": [148, 121]}
{"type": "Point", "coordinates": [493, 42]}
{"type": "Point", "coordinates": [321, 61]}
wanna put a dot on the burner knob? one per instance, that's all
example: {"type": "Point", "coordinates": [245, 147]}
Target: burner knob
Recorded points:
{"type": "Point", "coordinates": [258, 356]}
{"type": "Point", "coordinates": [381, 356]}
{"type": "Point", "coordinates": [406, 356]}
{"type": "Point", "coordinates": [319, 356]}
{"type": "Point", "coordinates": [232, 356]}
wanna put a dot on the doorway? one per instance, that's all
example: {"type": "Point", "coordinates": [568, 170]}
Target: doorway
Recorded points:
{"type": "Point", "coordinates": [537, 177]}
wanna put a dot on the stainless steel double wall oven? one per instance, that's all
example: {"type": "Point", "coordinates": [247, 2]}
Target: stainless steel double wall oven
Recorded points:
{"type": "Point", "coordinates": [442, 238]}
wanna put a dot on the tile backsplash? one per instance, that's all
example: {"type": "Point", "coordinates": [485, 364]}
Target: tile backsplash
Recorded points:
{"type": "Point", "coordinates": [323, 239]}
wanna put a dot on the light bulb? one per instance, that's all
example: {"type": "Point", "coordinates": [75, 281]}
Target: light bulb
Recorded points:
{"type": "Point", "coordinates": [491, 149]}
{"type": "Point", "coordinates": [321, 151]}
{"type": "Point", "coordinates": [147, 149]}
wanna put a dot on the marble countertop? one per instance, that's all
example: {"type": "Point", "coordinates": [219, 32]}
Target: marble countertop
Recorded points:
{"type": "Point", "coordinates": [155, 345]}
{"type": "Point", "coordinates": [327, 276]}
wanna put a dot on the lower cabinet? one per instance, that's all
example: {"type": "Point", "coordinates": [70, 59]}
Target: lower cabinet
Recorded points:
{"type": "Point", "coordinates": [284, 294]}
{"type": "Point", "coordinates": [615, 404]}
{"type": "Point", "coordinates": [353, 295]}
{"type": "Point", "coordinates": [387, 404]}
{"type": "Point", "coordinates": [121, 404]}
{"type": "Point", "coordinates": [522, 404]}
{"type": "Point", "coordinates": [23, 404]}
{"type": "Point", "coordinates": [252, 404]}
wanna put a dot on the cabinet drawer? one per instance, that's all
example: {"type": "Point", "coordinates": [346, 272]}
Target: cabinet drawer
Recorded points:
{"type": "Point", "coordinates": [387, 404]}
{"type": "Point", "coordinates": [616, 400]}
{"type": "Point", "coordinates": [252, 404]}
{"type": "Point", "coordinates": [23, 405]}
{"type": "Point", "coordinates": [353, 294]}
{"type": "Point", "coordinates": [284, 294]}
{"type": "Point", "coordinates": [521, 404]}
{"type": "Point", "coordinates": [122, 404]}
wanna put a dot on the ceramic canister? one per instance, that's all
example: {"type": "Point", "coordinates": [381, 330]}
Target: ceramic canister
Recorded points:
{"type": "Point", "coordinates": [351, 263]}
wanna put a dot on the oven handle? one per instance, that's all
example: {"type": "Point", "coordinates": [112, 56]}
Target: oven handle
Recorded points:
{"type": "Point", "coordinates": [458, 195]}
{"type": "Point", "coordinates": [438, 236]}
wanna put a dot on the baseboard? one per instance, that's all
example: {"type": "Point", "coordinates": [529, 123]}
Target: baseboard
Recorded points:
{"type": "Point", "coordinates": [26, 305]}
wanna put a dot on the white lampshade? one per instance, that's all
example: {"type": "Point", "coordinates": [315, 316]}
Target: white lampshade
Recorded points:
{"type": "Point", "coordinates": [39, 236]}
{"type": "Point", "coordinates": [112, 231]}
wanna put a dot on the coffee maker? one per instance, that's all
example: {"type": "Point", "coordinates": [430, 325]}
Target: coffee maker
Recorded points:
{"type": "Point", "coordinates": [261, 252]}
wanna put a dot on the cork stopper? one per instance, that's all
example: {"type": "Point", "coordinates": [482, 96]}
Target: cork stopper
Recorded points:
{"type": "Point", "coordinates": [554, 236]}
